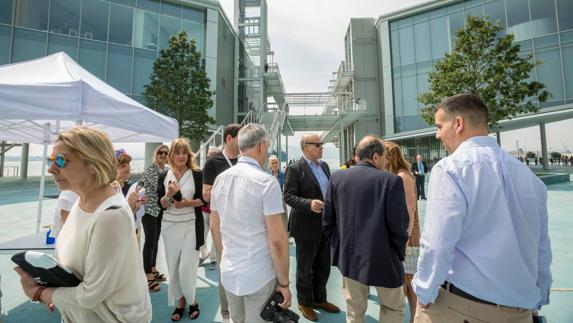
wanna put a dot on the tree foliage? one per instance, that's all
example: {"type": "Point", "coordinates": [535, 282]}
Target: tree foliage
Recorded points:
{"type": "Point", "coordinates": [488, 65]}
{"type": "Point", "coordinates": [530, 154]}
{"type": "Point", "coordinates": [180, 88]}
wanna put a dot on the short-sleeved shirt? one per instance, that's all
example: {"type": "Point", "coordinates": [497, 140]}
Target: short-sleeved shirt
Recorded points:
{"type": "Point", "coordinates": [215, 166]}
{"type": "Point", "coordinates": [243, 196]}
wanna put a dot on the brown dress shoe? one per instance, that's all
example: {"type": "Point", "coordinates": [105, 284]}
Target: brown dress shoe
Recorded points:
{"type": "Point", "coordinates": [308, 313]}
{"type": "Point", "coordinates": [327, 306]}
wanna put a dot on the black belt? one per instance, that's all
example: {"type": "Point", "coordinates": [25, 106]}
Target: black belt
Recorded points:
{"type": "Point", "coordinates": [456, 291]}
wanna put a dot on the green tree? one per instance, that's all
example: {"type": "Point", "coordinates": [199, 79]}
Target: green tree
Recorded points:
{"type": "Point", "coordinates": [530, 154]}
{"type": "Point", "coordinates": [180, 88]}
{"type": "Point", "coordinates": [488, 65]}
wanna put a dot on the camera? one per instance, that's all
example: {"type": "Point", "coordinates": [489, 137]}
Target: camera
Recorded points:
{"type": "Point", "coordinates": [272, 312]}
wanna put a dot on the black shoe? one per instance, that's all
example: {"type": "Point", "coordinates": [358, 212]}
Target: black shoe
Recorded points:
{"type": "Point", "coordinates": [423, 198]}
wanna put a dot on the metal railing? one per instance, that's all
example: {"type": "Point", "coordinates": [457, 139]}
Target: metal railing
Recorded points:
{"type": "Point", "coordinates": [11, 171]}
{"type": "Point", "coordinates": [276, 127]}
{"type": "Point", "coordinates": [201, 154]}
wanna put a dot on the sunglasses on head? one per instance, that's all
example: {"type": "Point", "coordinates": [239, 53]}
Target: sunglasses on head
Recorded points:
{"type": "Point", "coordinates": [162, 152]}
{"type": "Point", "coordinates": [120, 152]}
{"type": "Point", "coordinates": [58, 159]}
{"type": "Point", "coordinates": [315, 144]}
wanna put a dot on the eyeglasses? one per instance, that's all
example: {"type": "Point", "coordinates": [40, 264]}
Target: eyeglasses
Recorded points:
{"type": "Point", "coordinates": [315, 144]}
{"type": "Point", "coordinates": [59, 159]}
{"type": "Point", "coordinates": [120, 152]}
{"type": "Point", "coordinates": [162, 152]}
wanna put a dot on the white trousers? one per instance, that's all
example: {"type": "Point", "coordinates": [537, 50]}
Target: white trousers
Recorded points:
{"type": "Point", "coordinates": [182, 260]}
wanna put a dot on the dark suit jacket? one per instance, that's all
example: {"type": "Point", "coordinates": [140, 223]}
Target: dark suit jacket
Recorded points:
{"type": "Point", "coordinates": [366, 218]}
{"type": "Point", "coordinates": [300, 188]}
{"type": "Point", "coordinates": [414, 167]}
{"type": "Point", "coordinates": [199, 221]}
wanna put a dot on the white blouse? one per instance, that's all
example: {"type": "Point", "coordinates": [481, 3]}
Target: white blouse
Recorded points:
{"type": "Point", "coordinates": [187, 184]}
{"type": "Point", "coordinates": [100, 249]}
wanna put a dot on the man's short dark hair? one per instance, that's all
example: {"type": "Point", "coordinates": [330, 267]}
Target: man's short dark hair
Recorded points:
{"type": "Point", "coordinates": [468, 105]}
{"type": "Point", "coordinates": [232, 129]}
{"type": "Point", "coordinates": [369, 146]}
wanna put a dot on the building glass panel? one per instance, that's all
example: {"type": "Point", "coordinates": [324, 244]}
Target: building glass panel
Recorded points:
{"type": "Point", "coordinates": [564, 10]}
{"type": "Point", "coordinates": [194, 14]}
{"type": "Point", "coordinates": [455, 22]}
{"type": "Point", "coordinates": [398, 106]}
{"type": "Point", "coordinates": [92, 57]}
{"type": "Point", "coordinates": [549, 73]}
{"type": "Point", "coordinates": [409, 94]}
{"type": "Point", "coordinates": [5, 38]}
{"type": "Point", "coordinates": [146, 29]}
{"type": "Point", "coordinates": [407, 52]}
{"type": "Point", "coordinates": [496, 12]}
{"type": "Point", "coordinates": [59, 43]}
{"type": "Point", "coordinates": [543, 19]}
{"type": "Point", "coordinates": [518, 19]}
{"type": "Point", "coordinates": [126, 2]}
{"type": "Point", "coordinates": [120, 24]}
{"type": "Point", "coordinates": [567, 38]}
{"type": "Point", "coordinates": [422, 41]}
{"type": "Point", "coordinates": [94, 19]}
{"type": "Point", "coordinates": [6, 12]}
{"type": "Point", "coordinates": [395, 43]}
{"type": "Point", "coordinates": [32, 14]}
{"type": "Point", "coordinates": [194, 30]}
{"type": "Point", "coordinates": [439, 34]}
{"type": "Point", "coordinates": [65, 17]}
{"type": "Point", "coordinates": [398, 124]}
{"type": "Point", "coordinates": [170, 8]}
{"type": "Point", "coordinates": [168, 26]}
{"type": "Point", "coordinates": [119, 61]}
{"type": "Point", "coordinates": [142, 67]}
{"type": "Point", "coordinates": [473, 8]}
{"type": "Point", "coordinates": [148, 4]}
{"type": "Point", "coordinates": [423, 83]}
{"type": "Point", "coordinates": [28, 44]}
{"type": "Point", "coordinates": [567, 53]}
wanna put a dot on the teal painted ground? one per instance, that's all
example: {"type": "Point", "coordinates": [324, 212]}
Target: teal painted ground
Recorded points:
{"type": "Point", "coordinates": [18, 215]}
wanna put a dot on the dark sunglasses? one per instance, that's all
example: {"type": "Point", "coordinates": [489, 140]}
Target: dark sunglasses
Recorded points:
{"type": "Point", "coordinates": [162, 152]}
{"type": "Point", "coordinates": [315, 144]}
{"type": "Point", "coordinates": [59, 159]}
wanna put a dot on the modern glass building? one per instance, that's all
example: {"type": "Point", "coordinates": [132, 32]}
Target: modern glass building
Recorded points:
{"type": "Point", "coordinates": [409, 42]}
{"type": "Point", "coordinates": [119, 40]}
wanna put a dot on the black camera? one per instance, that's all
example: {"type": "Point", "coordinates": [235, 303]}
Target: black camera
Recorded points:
{"type": "Point", "coordinates": [272, 312]}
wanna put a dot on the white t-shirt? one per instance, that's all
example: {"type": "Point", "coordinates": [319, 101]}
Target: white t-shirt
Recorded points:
{"type": "Point", "coordinates": [242, 196]}
{"type": "Point", "coordinates": [66, 200]}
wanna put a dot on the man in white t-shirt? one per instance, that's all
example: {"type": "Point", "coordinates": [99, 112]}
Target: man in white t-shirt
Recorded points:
{"type": "Point", "coordinates": [65, 202]}
{"type": "Point", "coordinates": [248, 230]}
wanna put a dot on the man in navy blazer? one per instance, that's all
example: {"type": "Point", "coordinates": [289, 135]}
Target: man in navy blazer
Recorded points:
{"type": "Point", "coordinates": [366, 219]}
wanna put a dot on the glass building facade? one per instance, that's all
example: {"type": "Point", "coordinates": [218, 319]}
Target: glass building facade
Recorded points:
{"type": "Point", "coordinates": [117, 41]}
{"type": "Point", "coordinates": [543, 28]}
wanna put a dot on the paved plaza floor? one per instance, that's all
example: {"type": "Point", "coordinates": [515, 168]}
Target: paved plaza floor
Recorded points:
{"type": "Point", "coordinates": [18, 218]}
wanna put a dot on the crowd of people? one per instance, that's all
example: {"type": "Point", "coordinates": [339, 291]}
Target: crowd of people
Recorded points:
{"type": "Point", "coordinates": [484, 253]}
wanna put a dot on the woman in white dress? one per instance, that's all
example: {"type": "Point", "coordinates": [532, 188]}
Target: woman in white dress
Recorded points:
{"type": "Point", "coordinates": [98, 241]}
{"type": "Point", "coordinates": [180, 196]}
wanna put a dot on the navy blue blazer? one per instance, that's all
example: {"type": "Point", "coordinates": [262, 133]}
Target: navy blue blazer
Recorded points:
{"type": "Point", "coordinates": [366, 218]}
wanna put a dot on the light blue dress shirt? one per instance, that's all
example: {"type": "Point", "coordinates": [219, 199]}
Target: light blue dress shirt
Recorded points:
{"type": "Point", "coordinates": [421, 169]}
{"type": "Point", "coordinates": [485, 229]}
{"type": "Point", "coordinates": [319, 174]}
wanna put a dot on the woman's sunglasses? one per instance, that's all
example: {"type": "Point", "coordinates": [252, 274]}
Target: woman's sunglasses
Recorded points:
{"type": "Point", "coordinates": [162, 153]}
{"type": "Point", "coordinates": [59, 159]}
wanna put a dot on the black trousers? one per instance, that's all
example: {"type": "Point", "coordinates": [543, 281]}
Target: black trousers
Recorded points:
{"type": "Point", "coordinates": [312, 270]}
{"type": "Point", "coordinates": [152, 229]}
{"type": "Point", "coordinates": [420, 182]}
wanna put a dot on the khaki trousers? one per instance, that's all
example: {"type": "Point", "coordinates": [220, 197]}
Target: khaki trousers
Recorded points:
{"type": "Point", "coordinates": [451, 308]}
{"type": "Point", "coordinates": [392, 306]}
{"type": "Point", "coordinates": [248, 308]}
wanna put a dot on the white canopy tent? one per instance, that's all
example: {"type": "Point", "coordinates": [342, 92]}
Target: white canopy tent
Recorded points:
{"type": "Point", "coordinates": [42, 97]}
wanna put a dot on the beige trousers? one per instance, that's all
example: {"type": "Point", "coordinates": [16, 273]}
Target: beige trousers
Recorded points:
{"type": "Point", "coordinates": [247, 308]}
{"type": "Point", "coordinates": [451, 308]}
{"type": "Point", "coordinates": [392, 305]}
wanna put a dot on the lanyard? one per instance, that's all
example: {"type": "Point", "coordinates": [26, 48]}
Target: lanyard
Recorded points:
{"type": "Point", "coordinates": [227, 158]}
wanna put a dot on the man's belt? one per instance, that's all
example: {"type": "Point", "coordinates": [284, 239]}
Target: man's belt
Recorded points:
{"type": "Point", "coordinates": [456, 291]}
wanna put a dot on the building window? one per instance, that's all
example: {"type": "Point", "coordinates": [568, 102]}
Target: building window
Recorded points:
{"type": "Point", "coordinates": [564, 10]}
{"type": "Point", "coordinates": [32, 14]}
{"type": "Point", "coordinates": [59, 43]}
{"type": "Point", "coordinates": [543, 19]}
{"type": "Point", "coordinates": [119, 68]}
{"type": "Point", "coordinates": [120, 24]}
{"type": "Point", "coordinates": [518, 19]}
{"type": "Point", "coordinates": [92, 57]}
{"type": "Point", "coordinates": [142, 68]}
{"type": "Point", "coordinates": [5, 37]}
{"type": "Point", "coordinates": [94, 19]}
{"type": "Point", "coordinates": [146, 30]}
{"type": "Point", "coordinates": [6, 12]}
{"type": "Point", "coordinates": [65, 17]}
{"type": "Point", "coordinates": [168, 26]}
{"type": "Point", "coordinates": [28, 44]}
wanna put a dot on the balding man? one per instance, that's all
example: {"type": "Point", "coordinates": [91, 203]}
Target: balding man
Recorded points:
{"type": "Point", "coordinates": [485, 253]}
{"type": "Point", "coordinates": [304, 190]}
{"type": "Point", "coordinates": [366, 220]}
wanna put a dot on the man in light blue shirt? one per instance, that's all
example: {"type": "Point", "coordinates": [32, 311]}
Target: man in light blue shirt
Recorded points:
{"type": "Point", "coordinates": [485, 252]}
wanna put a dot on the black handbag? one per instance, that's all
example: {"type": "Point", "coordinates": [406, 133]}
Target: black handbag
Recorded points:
{"type": "Point", "coordinates": [45, 270]}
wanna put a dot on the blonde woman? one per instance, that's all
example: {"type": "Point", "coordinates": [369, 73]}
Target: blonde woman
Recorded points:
{"type": "Point", "coordinates": [397, 164]}
{"type": "Point", "coordinates": [98, 241]}
{"type": "Point", "coordinates": [182, 228]}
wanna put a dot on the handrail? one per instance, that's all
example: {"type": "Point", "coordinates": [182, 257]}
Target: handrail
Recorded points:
{"type": "Point", "coordinates": [201, 153]}
{"type": "Point", "coordinates": [276, 127]}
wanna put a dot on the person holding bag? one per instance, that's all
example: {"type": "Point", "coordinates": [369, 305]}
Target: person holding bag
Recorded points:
{"type": "Point", "coordinates": [180, 195]}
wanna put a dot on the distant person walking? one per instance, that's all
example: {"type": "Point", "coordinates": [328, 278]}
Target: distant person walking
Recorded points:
{"type": "Point", "coordinates": [485, 250]}
{"type": "Point", "coordinates": [366, 220]}
{"type": "Point", "coordinates": [419, 169]}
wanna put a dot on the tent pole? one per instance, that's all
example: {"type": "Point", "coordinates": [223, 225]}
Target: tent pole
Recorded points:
{"type": "Point", "coordinates": [42, 179]}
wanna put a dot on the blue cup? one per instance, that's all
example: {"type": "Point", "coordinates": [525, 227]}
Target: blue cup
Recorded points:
{"type": "Point", "coordinates": [50, 239]}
